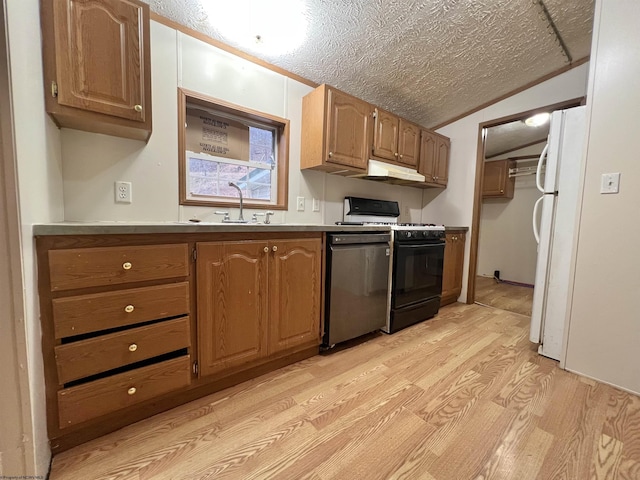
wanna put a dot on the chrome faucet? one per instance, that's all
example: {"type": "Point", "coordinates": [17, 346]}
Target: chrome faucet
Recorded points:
{"type": "Point", "coordinates": [240, 218]}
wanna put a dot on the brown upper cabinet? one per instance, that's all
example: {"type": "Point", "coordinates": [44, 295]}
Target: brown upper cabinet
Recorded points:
{"type": "Point", "coordinates": [434, 158]}
{"type": "Point", "coordinates": [395, 139]}
{"type": "Point", "coordinates": [496, 182]}
{"type": "Point", "coordinates": [97, 69]}
{"type": "Point", "coordinates": [335, 132]}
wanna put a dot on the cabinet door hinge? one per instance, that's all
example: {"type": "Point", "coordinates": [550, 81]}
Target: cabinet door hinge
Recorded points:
{"type": "Point", "coordinates": [195, 368]}
{"type": "Point", "coordinates": [54, 89]}
{"type": "Point", "coordinates": [195, 254]}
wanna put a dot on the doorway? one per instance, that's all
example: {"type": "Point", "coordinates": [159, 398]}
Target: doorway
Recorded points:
{"type": "Point", "coordinates": [503, 251]}
{"type": "Point", "coordinates": [506, 246]}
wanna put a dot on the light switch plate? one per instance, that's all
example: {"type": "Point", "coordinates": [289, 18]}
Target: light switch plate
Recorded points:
{"type": "Point", "coordinates": [316, 205]}
{"type": "Point", "coordinates": [610, 183]}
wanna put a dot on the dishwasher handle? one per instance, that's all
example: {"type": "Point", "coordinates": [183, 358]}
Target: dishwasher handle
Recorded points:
{"type": "Point", "coordinates": [358, 238]}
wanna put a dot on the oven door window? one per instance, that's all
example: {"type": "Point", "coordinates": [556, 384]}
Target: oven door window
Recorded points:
{"type": "Point", "coordinates": [417, 273]}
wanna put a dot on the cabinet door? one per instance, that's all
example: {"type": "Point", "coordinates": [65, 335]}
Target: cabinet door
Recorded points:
{"type": "Point", "coordinates": [99, 56]}
{"type": "Point", "coordinates": [449, 274]}
{"type": "Point", "coordinates": [294, 293]}
{"type": "Point", "coordinates": [453, 267]}
{"type": "Point", "coordinates": [459, 243]}
{"type": "Point", "coordinates": [348, 126]}
{"type": "Point", "coordinates": [232, 303]}
{"type": "Point", "coordinates": [442, 160]}
{"type": "Point", "coordinates": [385, 136]}
{"type": "Point", "coordinates": [496, 181]}
{"type": "Point", "coordinates": [427, 164]}
{"type": "Point", "coordinates": [408, 143]}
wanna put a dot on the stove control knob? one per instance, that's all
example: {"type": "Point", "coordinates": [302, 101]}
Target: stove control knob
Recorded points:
{"type": "Point", "coordinates": [408, 234]}
{"type": "Point", "coordinates": [425, 233]}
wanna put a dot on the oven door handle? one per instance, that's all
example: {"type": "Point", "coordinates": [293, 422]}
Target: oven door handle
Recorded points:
{"type": "Point", "coordinates": [419, 245]}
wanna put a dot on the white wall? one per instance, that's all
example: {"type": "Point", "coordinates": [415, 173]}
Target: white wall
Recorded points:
{"type": "Point", "coordinates": [93, 162]}
{"type": "Point", "coordinates": [506, 238]}
{"type": "Point", "coordinates": [454, 205]}
{"type": "Point", "coordinates": [604, 331]}
{"type": "Point", "coordinates": [40, 195]}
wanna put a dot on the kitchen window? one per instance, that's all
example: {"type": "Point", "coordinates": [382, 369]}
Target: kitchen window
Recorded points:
{"type": "Point", "coordinates": [222, 143]}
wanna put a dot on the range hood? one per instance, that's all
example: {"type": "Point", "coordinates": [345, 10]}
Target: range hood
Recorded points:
{"type": "Point", "coordinates": [385, 172]}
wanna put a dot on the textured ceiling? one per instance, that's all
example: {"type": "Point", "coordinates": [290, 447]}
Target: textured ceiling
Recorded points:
{"type": "Point", "coordinates": [514, 135]}
{"type": "Point", "coordinates": [428, 61]}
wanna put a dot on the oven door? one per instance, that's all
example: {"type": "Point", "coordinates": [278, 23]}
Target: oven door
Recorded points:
{"type": "Point", "coordinates": [417, 273]}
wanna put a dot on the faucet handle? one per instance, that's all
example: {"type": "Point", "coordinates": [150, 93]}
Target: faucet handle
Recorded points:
{"type": "Point", "coordinates": [226, 217]}
{"type": "Point", "coordinates": [254, 217]}
{"type": "Point", "coordinates": [267, 214]}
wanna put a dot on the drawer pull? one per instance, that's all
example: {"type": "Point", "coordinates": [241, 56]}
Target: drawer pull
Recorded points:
{"type": "Point", "coordinates": [275, 249]}
{"type": "Point", "coordinates": [127, 265]}
{"type": "Point", "coordinates": [132, 391]}
{"type": "Point", "coordinates": [133, 347]}
{"type": "Point", "coordinates": [266, 249]}
{"type": "Point", "coordinates": [129, 308]}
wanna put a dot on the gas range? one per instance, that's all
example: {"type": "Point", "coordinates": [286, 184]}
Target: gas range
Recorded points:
{"type": "Point", "coordinates": [365, 211]}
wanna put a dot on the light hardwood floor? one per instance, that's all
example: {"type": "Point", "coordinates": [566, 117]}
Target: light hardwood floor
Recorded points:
{"type": "Point", "coordinates": [460, 396]}
{"type": "Point", "coordinates": [513, 298]}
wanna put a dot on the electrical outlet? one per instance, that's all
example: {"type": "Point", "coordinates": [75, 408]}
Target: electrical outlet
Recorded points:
{"type": "Point", "coordinates": [407, 211]}
{"type": "Point", "coordinates": [300, 204]}
{"type": "Point", "coordinates": [123, 192]}
{"type": "Point", "coordinates": [316, 205]}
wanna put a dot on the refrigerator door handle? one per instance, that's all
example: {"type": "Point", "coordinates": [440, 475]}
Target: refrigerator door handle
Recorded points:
{"type": "Point", "coordinates": [539, 169]}
{"type": "Point", "coordinates": [536, 230]}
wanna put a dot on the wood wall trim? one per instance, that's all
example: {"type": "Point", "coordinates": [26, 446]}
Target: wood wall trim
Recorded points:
{"type": "Point", "coordinates": [228, 48]}
{"type": "Point", "coordinates": [544, 78]}
{"type": "Point", "coordinates": [477, 196]}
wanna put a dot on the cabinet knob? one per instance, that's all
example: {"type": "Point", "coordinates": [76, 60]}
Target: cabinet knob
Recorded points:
{"type": "Point", "coordinates": [138, 108]}
{"type": "Point", "coordinates": [330, 154]}
{"type": "Point", "coordinates": [133, 347]}
{"type": "Point", "coordinates": [396, 154]}
{"type": "Point", "coordinates": [266, 249]}
{"type": "Point", "coordinates": [132, 391]}
{"type": "Point", "coordinates": [127, 265]}
{"type": "Point", "coordinates": [501, 191]}
{"type": "Point", "coordinates": [129, 308]}
{"type": "Point", "coordinates": [401, 157]}
{"type": "Point", "coordinates": [275, 249]}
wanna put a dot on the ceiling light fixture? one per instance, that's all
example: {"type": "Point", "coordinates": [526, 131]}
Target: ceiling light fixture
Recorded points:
{"type": "Point", "coordinates": [272, 27]}
{"type": "Point", "coordinates": [537, 120]}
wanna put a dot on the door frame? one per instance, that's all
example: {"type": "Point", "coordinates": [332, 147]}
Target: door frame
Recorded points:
{"type": "Point", "coordinates": [15, 407]}
{"type": "Point", "coordinates": [477, 195]}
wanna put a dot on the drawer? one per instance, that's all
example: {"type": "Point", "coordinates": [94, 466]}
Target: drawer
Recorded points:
{"type": "Point", "coordinates": [100, 397]}
{"type": "Point", "coordinates": [88, 357]}
{"type": "Point", "coordinates": [101, 311]}
{"type": "Point", "coordinates": [93, 267]}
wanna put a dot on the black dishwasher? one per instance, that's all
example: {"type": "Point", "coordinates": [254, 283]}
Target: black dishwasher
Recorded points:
{"type": "Point", "coordinates": [357, 285]}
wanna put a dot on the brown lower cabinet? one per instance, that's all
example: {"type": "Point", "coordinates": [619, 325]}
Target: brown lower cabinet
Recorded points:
{"type": "Point", "coordinates": [136, 324]}
{"type": "Point", "coordinates": [256, 299]}
{"type": "Point", "coordinates": [453, 266]}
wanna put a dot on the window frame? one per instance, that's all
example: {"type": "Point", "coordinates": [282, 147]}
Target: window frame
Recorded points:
{"type": "Point", "coordinates": [281, 126]}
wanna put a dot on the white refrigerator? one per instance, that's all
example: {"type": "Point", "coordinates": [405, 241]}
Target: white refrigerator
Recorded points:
{"type": "Point", "coordinates": [561, 161]}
